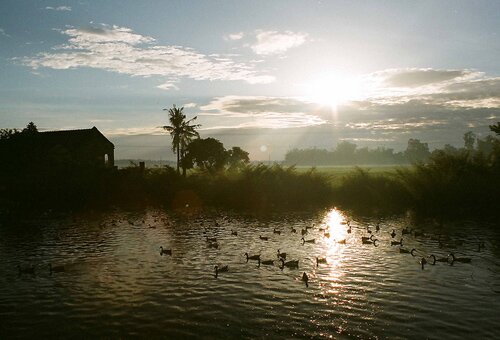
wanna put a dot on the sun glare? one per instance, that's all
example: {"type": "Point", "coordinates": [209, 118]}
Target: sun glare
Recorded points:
{"type": "Point", "coordinates": [332, 89]}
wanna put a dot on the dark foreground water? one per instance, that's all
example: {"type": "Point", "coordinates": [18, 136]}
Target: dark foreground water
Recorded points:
{"type": "Point", "coordinates": [116, 283]}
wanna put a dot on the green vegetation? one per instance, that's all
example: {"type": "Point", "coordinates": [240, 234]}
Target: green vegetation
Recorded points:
{"type": "Point", "coordinates": [452, 182]}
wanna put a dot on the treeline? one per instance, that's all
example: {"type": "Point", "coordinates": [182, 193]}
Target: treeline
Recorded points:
{"type": "Point", "coordinates": [347, 153]}
{"type": "Point", "coordinates": [452, 182]}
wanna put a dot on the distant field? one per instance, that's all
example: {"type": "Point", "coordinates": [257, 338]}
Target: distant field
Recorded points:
{"type": "Point", "coordinates": [337, 172]}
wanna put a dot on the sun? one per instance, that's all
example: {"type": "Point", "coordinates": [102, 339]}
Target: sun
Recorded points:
{"type": "Point", "coordinates": [332, 89]}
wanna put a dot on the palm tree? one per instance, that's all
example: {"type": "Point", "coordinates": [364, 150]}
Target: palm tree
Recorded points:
{"type": "Point", "coordinates": [181, 131]}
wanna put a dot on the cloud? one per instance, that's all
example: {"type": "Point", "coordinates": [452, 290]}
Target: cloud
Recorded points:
{"type": "Point", "coordinates": [2, 32]}
{"type": "Point", "coordinates": [189, 105]}
{"type": "Point", "coordinates": [234, 36]}
{"type": "Point", "coordinates": [421, 77]}
{"type": "Point", "coordinates": [264, 112]}
{"type": "Point", "coordinates": [273, 42]}
{"type": "Point", "coordinates": [59, 8]}
{"type": "Point", "coordinates": [119, 49]}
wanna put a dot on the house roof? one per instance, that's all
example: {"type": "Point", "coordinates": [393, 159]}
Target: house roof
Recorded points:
{"type": "Point", "coordinates": [74, 138]}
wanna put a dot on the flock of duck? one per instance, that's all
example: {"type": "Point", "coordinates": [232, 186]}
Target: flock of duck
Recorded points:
{"type": "Point", "coordinates": [368, 239]}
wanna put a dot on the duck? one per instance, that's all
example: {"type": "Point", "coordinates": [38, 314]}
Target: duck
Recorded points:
{"type": "Point", "coordinates": [393, 234]}
{"type": "Point", "coordinates": [211, 239]}
{"type": "Point", "coordinates": [405, 231]}
{"type": "Point", "coordinates": [343, 241]}
{"type": "Point", "coordinates": [289, 264]}
{"type": "Point", "coordinates": [327, 234]}
{"type": "Point", "coordinates": [368, 230]}
{"type": "Point", "coordinates": [320, 260]}
{"type": "Point", "coordinates": [264, 238]}
{"type": "Point", "coordinates": [265, 262]}
{"type": "Point", "coordinates": [423, 262]}
{"type": "Point", "coordinates": [377, 227]}
{"type": "Point", "coordinates": [397, 243]}
{"type": "Point", "coordinates": [165, 251]}
{"type": "Point", "coordinates": [305, 278]}
{"type": "Point", "coordinates": [370, 241]}
{"type": "Point", "coordinates": [275, 231]}
{"type": "Point", "coordinates": [303, 231]}
{"type": "Point", "coordinates": [459, 259]}
{"type": "Point", "coordinates": [222, 269]}
{"type": "Point", "coordinates": [435, 259]}
{"type": "Point", "coordinates": [56, 269]}
{"type": "Point", "coordinates": [293, 230]}
{"type": "Point", "coordinates": [234, 232]}
{"type": "Point", "coordinates": [26, 270]}
{"type": "Point", "coordinates": [367, 238]}
{"type": "Point", "coordinates": [349, 230]}
{"type": "Point", "coordinates": [252, 257]}
{"type": "Point", "coordinates": [404, 251]}
{"type": "Point", "coordinates": [308, 241]}
{"type": "Point", "coordinates": [281, 255]}
{"type": "Point", "coordinates": [213, 245]}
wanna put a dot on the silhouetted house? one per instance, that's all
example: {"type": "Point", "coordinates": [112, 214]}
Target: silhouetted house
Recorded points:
{"type": "Point", "coordinates": [87, 148]}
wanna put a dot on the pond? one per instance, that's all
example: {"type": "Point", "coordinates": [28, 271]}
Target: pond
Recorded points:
{"type": "Point", "coordinates": [116, 283]}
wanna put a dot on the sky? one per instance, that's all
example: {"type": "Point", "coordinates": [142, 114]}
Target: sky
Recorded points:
{"type": "Point", "coordinates": [268, 76]}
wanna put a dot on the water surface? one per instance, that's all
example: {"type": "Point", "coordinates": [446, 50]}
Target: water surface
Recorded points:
{"type": "Point", "coordinates": [116, 283]}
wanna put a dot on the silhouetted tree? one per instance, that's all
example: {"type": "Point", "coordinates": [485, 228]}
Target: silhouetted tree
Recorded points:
{"type": "Point", "coordinates": [237, 157]}
{"type": "Point", "coordinates": [208, 154]}
{"type": "Point", "coordinates": [7, 133]}
{"type": "Point", "coordinates": [30, 128]}
{"type": "Point", "coordinates": [417, 151]}
{"type": "Point", "coordinates": [181, 131]}
{"type": "Point", "coordinates": [495, 128]}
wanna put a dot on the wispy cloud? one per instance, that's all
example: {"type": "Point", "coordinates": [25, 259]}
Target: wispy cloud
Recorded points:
{"type": "Point", "coordinates": [273, 42]}
{"type": "Point", "coordinates": [59, 8]}
{"type": "Point", "coordinates": [263, 111]}
{"type": "Point", "coordinates": [235, 36]}
{"type": "Point", "coordinates": [119, 49]}
{"type": "Point", "coordinates": [2, 32]}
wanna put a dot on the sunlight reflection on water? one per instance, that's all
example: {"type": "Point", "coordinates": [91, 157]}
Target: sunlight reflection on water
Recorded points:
{"type": "Point", "coordinates": [117, 284]}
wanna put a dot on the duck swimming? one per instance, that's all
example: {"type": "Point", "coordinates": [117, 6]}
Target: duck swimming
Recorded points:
{"type": "Point", "coordinates": [435, 259]}
{"type": "Point", "coordinates": [281, 255]}
{"type": "Point", "coordinates": [222, 269]}
{"type": "Point", "coordinates": [397, 243]}
{"type": "Point", "coordinates": [308, 241]}
{"type": "Point", "coordinates": [252, 257]}
{"type": "Point", "coordinates": [165, 251]}
{"type": "Point", "coordinates": [289, 264]}
{"type": "Point", "coordinates": [264, 238]}
{"type": "Point", "coordinates": [320, 260]}
{"type": "Point", "coordinates": [459, 259]}
{"type": "Point", "coordinates": [393, 234]}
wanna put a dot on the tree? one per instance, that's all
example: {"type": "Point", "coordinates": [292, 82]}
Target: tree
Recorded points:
{"type": "Point", "coordinates": [495, 128]}
{"type": "Point", "coordinates": [237, 157]}
{"type": "Point", "coordinates": [182, 133]}
{"type": "Point", "coordinates": [417, 151]}
{"type": "Point", "coordinates": [7, 133]}
{"type": "Point", "coordinates": [469, 140]}
{"type": "Point", "coordinates": [208, 154]}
